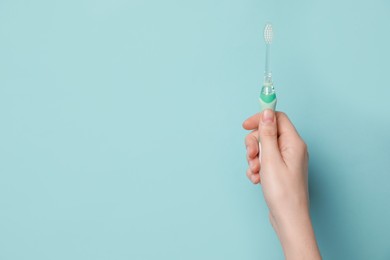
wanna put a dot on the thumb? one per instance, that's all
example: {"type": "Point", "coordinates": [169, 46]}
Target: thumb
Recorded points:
{"type": "Point", "coordinates": [268, 138]}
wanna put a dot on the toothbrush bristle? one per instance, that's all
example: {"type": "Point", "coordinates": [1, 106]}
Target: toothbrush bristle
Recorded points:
{"type": "Point", "coordinates": [268, 34]}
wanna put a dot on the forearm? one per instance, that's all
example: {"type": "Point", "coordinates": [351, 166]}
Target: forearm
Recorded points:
{"type": "Point", "coordinates": [297, 237]}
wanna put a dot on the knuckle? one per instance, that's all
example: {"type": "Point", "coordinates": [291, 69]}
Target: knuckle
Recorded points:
{"type": "Point", "coordinates": [281, 115]}
{"type": "Point", "coordinates": [248, 173]}
{"type": "Point", "coordinates": [301, 145]}
{"type": "Point", "coordinates": [304, 146]}
{"type": "Point", "coordinates": [256, 168]}
{"type": "Point", "coordinates": [250, 139]}
{"type": "Point", "coordinates": [247, 139]}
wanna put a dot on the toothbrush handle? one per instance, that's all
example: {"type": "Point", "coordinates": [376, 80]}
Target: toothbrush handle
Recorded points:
{"type": "Point", "coordinates": [267, 104]}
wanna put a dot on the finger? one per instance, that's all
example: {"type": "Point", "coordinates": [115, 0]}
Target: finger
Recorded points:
{"type": "Point", "coordinates": [249, 174]}
{"type": "Point", "coordinates": [254, 165]}
{"type": "Point", "coordinates": [268, 134]}
{"type": "Point", "coordinates": [254, 178]}
{"type": "Point", "coordinates": [283, 121]}
{"type": "Point", "coordinates": [252, 122]}
{"type": "Point", "coordinates": [290, 143]}
{"type": "Point", "coordinates": [284, 125]}
{"type": "Point", "coordinates": [252, 144]}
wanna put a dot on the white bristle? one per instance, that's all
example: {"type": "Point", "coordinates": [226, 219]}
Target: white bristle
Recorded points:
{"type": "Point", "coordinates": [268, 34]}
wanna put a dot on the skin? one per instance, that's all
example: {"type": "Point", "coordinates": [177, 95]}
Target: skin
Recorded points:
{"type": "Point", "coordinates": [280, 164]}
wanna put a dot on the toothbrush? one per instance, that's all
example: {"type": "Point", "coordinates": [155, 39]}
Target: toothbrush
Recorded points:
{"type": "Point", "coordinates": [267, 95]}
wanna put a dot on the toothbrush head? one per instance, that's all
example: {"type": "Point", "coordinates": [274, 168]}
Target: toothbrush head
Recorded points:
{"type": "Point", "coordinates": [268, 34]}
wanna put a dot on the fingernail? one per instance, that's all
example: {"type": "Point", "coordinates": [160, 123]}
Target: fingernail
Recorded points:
{"type": "Point", "coordinates": [268, 116]}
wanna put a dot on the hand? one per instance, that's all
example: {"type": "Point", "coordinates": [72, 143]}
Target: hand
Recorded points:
{"type": "Point", "coordinates": [280, 164]}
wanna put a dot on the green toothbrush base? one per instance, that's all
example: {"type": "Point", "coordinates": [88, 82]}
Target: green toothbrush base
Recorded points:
{"type": "Point", "coordinates": [267, 103]}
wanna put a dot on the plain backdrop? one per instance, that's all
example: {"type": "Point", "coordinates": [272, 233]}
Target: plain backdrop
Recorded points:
{"type": "Point", "coordinates": [120, 126]}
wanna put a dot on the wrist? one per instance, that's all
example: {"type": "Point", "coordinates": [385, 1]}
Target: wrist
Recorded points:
{"type": "Point", "coordinates": [296, 234]}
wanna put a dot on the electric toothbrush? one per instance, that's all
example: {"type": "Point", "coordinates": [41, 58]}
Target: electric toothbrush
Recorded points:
{"type": "Point", "coordinates": [267, 95]}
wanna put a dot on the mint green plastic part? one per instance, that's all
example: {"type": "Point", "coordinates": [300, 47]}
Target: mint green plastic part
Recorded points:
{"type": "Point", "coordinates": [267, 103]}
{"type": "Point", "coordinates": [267, 98]}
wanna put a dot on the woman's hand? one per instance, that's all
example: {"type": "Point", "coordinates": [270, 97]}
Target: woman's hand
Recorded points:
{"type": "Point", "coordinates": [278, 159]}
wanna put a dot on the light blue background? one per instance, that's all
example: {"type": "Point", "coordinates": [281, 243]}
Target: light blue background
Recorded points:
{"type": "Point", "coordinates": [121, 136]}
